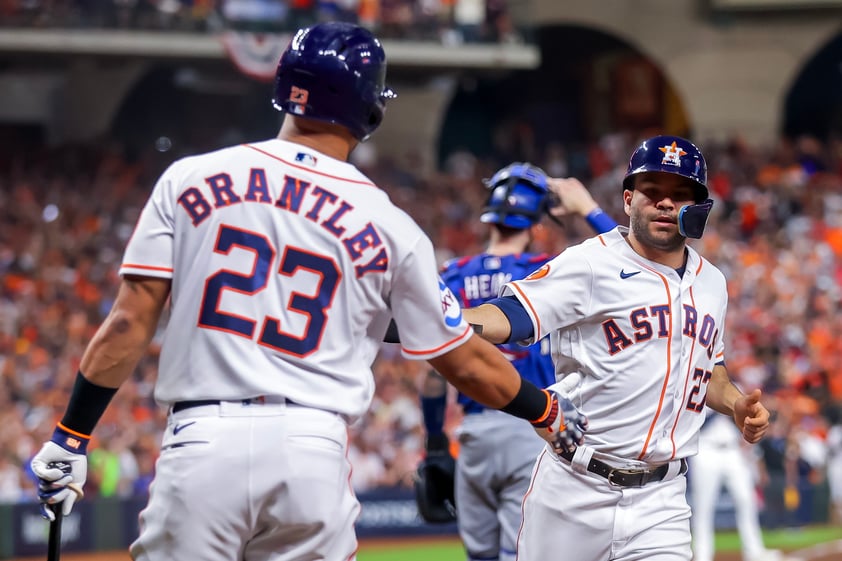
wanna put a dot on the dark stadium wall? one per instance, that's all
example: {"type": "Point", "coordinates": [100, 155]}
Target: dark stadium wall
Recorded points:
{"type": "Point", "coordinates": [589, 84]}
{"type": "Point", "coordinates": [732, 69]}
{"type": "Point", "coordinates": [814, 102]}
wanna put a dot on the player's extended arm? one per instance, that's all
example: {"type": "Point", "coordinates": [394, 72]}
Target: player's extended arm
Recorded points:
{"type": "Point", "coordinates": [476, 369]}
{"type": "Point", "coordinates": [490, 322]}
{"type": "Point", "coordinates": [749, 414]}
{"type": "Point", "coordinates": [119, 343]}
{"type": "Point", "coordinates": [479, 370]}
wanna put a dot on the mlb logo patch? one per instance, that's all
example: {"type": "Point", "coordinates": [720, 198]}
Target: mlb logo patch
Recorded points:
{"type": "Point", "coordinates": [306, 159]}
{"type": "Point", "coordinates": [492, 262]}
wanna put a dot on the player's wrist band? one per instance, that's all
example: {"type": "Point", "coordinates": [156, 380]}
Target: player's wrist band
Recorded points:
{"type": "Point", "coordinates": [530, 403]}
{"type": "Point", "coordinates": [71, 440]}
{"type": "Point", "coordinates": [599, 221]}
{"type": "Point", "coordinates": [87, 404]}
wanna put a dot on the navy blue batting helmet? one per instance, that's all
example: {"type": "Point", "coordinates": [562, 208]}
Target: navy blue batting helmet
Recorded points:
{"type": "Point", "coordinates": [334, 72]}
{"type": "Point", "coordinates": [518, 196]}
{"type": "Point", "coordinates": [670, 154]}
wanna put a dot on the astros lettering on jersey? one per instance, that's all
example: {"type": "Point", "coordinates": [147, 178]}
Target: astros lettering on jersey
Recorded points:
{"type": "Point", "coordinates": [641, 317]}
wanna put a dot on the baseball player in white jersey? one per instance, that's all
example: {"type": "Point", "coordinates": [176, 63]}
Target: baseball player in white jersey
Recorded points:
{"type": "Point", "coordinates": [284, 265]}
{"type": "Point", "coordinates": [722, 460]}
{"type": "Point", "coordinates": [636, 319]}
{"type": "Point", "coordinates": [496, 451]}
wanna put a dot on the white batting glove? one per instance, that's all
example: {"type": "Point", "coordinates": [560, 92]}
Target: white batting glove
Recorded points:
{"type": "Point", "coordinates": [61, 475]}
{"type": "Point", "coordinates": [564, 426]}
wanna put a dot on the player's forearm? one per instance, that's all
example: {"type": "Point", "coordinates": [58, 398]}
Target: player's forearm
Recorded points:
{"type": "Point", "coordinates": [480, 371]}
{"type": "Point", "coordinates": [721, 392]}
{"type": "Point", "coordinates": [124, 336]}
{"type": "Point", "coordinates": [490, 322]}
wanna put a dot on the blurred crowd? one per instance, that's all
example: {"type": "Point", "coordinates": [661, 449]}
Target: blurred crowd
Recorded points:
{"type": "Point", "coordinates": [776, 232]}
{"type": "Point", "coordinates": [449, 21]}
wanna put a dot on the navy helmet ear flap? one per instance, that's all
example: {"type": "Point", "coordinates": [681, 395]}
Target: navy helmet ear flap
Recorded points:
{"type": "Point", "coordinates": [692, 219]}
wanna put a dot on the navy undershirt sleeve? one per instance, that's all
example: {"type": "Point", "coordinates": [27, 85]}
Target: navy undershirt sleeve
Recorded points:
{"type": "Point", "coordinates": [518, 318]}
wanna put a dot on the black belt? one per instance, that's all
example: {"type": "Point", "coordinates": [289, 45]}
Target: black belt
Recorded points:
{"type": "Point", "coordinates": [182, 405]}
{"type": "Point", "coordinates": [622, 477]}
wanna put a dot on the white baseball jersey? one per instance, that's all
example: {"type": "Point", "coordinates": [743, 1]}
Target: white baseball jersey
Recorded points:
{"type": "Point", "coordinates": [286, 268]}
{"type": "Point", "coordinates": [643, 340]}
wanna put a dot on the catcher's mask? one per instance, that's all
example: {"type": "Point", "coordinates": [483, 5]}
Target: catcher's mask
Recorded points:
{"type": "Point", "coordinates": [518, 196]}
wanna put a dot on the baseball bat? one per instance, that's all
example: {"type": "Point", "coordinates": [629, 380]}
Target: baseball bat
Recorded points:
{"type": "Point", "coordinates": [54, 541]}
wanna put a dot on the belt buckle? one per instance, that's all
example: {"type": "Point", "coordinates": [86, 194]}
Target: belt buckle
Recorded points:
{"type": "Point", "coordinates": [636, 472]}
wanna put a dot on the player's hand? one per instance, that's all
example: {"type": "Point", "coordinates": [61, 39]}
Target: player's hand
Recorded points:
{"type": "Point", "coordinates": [751, 417]}
{"type": "Point", "coordinates": [565, 425]}
{"type": "Point", "coordinates": [61, 475]}
{"type": "Point", "coordinates": [571, 197]}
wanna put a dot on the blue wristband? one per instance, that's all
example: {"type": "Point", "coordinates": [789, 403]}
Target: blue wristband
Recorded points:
{"type": "Point", "coordinates": [70, 440]}
{"type": "Point", "coordinates": [599, 221]}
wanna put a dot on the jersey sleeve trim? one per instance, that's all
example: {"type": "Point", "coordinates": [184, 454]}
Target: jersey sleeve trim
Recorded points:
{"type": "Point", "coordinates": [146, 270]}
{"type": "Point", "coordinates": [441, 349]}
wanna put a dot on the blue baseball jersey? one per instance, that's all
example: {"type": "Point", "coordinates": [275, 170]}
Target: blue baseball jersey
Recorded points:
{"type": "Point", "coordinates": [475, 280]}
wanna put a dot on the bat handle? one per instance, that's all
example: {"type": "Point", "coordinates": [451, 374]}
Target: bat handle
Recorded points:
{"type": "Point", "coordinates": [54, 542]}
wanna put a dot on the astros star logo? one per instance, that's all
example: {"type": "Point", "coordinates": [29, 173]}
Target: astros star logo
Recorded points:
{"type": "Point", "coordinates": [672, 154]}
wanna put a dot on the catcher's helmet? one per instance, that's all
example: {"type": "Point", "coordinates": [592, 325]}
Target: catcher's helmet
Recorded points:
{"type": "Point", "coordinates": [669, 154]}
{"type": "Point", "coordinates": [334, 72]}
{"type": "Point", "coordinates": [518, 197]}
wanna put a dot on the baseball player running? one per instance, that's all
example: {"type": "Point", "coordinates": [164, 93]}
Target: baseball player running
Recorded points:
{"type": "Point", "coordinates": [636, 319]}
{"type": "Point", "coordinates": [496, 455]}
{"type": "Point", "coordinates": [284, 265]}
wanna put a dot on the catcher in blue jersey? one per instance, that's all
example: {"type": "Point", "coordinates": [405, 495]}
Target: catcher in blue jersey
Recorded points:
{"type": "Point", "coordinates": [496, 453]}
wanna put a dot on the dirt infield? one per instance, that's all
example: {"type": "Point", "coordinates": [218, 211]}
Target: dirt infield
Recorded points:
{"type": "Point", "coordinates": [830, 551]}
